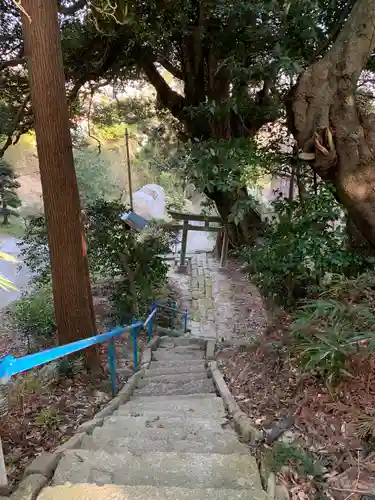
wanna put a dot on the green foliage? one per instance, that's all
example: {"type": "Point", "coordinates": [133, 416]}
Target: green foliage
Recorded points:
{"type": "Point", "coordinates": [95, 179]}
{"type": "Point", "coordinates": [174, 196]}
{"type": "Point", "coordinates": [329, 329]}
{"type": "Point", "coordinates": [33, 314]}
{"type": "Point", "coordinates": [9, 199]}
{"type": "Point", "coordinates": [129, 111]}
{"type": "Point", "coordinates": [48, 417]}
{"type": "Point", "coordinates": [130, 260]}
{"type": "Point", "coordinates": [69, 366]}
{"type": "Point", "coordinates": [225, 166]}
{"type": "Point", "coordinates": [34, 250]}
{"type": "Point", "coordinates": [290, 454]}
{"type": "Point", "coordinates": [305, 244]}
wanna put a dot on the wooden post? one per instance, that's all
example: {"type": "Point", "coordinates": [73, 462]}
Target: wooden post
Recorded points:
{"type": "Point", "coordinates": [184, 243]}
{"type": "Point", "coordinates": [129, 169]}
{"type": "Point", "coordinates": [224, 250]}
{"type": "Point", "coordinates": [3, 472]}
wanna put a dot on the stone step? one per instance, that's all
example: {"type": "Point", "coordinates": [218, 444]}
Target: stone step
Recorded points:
{"type": "Point", "coordinates": [117, 492]}
{"type": "Point", "coordinates": [183, 341]}
{"type": "Point", "coordinates": [205, 406]}
{"type": "Point", "coordinates": [180, 349]}
{"type": "Point", "coordinates": [181, 363]}
{"type": "Point", "coordinates": [184, 397]}
{"type": "Point", "coordinates": [139, 445]}
{"type": "Point", "coordinates": [172, 355]}
{"type": "Point", "coordinates": [112, 432]}
{"type": "Point", "coordinates": [172, 378]}
{"type": "Point", "coordinates": [184, 415]}
{"type": "Point", "coordinates": [152, 388]}
{"type": "Point", "coordinates": [175, 370]}
{"type": "Point", "coordinates": [187, 470]}
{"type": "Point", "coordinates": [126, 425]}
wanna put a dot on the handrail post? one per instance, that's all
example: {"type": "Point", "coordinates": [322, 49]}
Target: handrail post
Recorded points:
{"type": "Point", "coordinates": [112, 365]}
{"type": "Point", "coordinates": [151, 323]}
{"type": "Point", "coordinates": [135, 350]}
{"type": "Point", "coordinates": [185, 320]}
{"type": "Point", "coordinates": [173, 315]}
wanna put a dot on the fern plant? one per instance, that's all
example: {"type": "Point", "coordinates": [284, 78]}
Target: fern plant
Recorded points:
{"type": "Point", "coordinates": [327, 330]}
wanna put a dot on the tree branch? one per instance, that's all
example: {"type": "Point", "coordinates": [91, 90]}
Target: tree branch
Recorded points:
{"type": "Point", "coordinates": [168, 97]}
{"type": "Point", "coordinates": [176, 72]}
{"type": "Point", "coordinates": [11, 63]}
{"type": "Point", "coordinates": [13, 127]}
{"type": "Point", "coordinates": [343, 63]}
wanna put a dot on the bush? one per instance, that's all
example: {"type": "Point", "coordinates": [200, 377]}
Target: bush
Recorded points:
{"type": "Point", "coordinates": [33, 314]}
{"type": "Point", "coordinates": [131, 260]}
{"type": "Point", "coordinates": [337, 324]}
{"type": "Point", "coordinates": [304, 245]}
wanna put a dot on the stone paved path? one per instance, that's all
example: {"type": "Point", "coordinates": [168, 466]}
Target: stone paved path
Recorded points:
{"type": "Point", "coordinates": [224, 304]}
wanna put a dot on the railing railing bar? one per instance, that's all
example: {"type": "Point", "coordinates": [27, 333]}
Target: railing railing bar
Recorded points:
{"type": "Point", "coordinates": [154, 311]}
{"type": "Point", "coordinates": [168, 308]}
{"type": "Point", "coordinates": [11, 365]}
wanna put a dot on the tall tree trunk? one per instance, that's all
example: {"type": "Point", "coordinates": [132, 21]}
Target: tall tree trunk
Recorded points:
{"type": "Point", "coordinates": [328, 124]}
{"type": "Point", "coordinates": [5, 214]}
{"type": "Point", "coordinates": [206, 78]}
{"type": "Point", "coordinates": [71, 290]}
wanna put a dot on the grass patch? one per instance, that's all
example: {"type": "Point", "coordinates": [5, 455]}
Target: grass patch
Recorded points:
{"type": "Point", "coordinates": [289, 454]}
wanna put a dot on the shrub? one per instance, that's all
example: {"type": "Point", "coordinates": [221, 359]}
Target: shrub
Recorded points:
{"type": "Point", "coordinates": [336, 325]}
{"type": "Point", "coordinates": [33, 314]}
{"type": "Point", "coordinates": [304, 245]}
{"type": "Point", "coordinates": [131, 260]}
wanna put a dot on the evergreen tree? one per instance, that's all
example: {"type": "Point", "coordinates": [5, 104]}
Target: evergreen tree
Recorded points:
{"type": "Point", "coordinates": [9, 199]}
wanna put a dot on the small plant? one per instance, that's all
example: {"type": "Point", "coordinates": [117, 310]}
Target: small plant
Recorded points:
{"type": "Point", "coordinates": [33, 314]}
{"type": "Point", "coordinates": [365, 427]}
{"type": "Point", "coordinates": [69, 367]}
{"type": "Point", "coordinates": [326, 331]}
{"type": "Point", "coordinates": [47, 417]}
{"type": "Point", "coordinates": [25, 387]}
{"type": "Point", "coordinates": [290, 454]}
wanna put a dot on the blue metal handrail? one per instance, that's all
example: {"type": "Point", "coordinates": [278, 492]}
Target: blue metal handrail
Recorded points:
{"type": "Point", "coordinates": [10, 365]}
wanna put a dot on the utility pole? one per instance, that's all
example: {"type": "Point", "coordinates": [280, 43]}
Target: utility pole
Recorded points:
{"type": "Point", "coordinates": [129, 169]}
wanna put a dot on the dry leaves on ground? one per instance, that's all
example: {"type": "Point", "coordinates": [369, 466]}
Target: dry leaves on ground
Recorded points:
{"type": "Point", "coordinates": [334, 423]}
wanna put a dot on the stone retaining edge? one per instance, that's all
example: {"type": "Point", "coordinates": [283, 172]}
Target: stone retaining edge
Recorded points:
{"type": "Point", "coordinates": [246, 429]}
{"type": "Point", "coordinates": [40, 471]}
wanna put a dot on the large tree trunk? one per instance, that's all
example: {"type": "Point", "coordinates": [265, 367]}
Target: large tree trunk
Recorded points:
{"type": "Point", "coordinates": [251, 226]}
{"type": "Point", "coordinates": [327, 122]}
{"type": "Point", "coordinates": [206, 79]}
{"type": "Point", "coordinates": [71, 290]}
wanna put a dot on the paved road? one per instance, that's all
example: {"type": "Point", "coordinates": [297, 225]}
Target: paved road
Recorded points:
{"type": "Point", "coordinates": [19, 277]}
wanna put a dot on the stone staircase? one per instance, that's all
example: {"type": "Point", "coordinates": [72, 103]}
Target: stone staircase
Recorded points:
{"type": "Point", "coordinates": [171, 441]}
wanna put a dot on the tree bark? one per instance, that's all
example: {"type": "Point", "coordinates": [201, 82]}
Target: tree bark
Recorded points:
{"type": "Point", "coordinates": [328, 124]}
{"type": "Point", "coordinates": [71, 290]}
{"type": "Point", "coordinates": [206, 79]}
